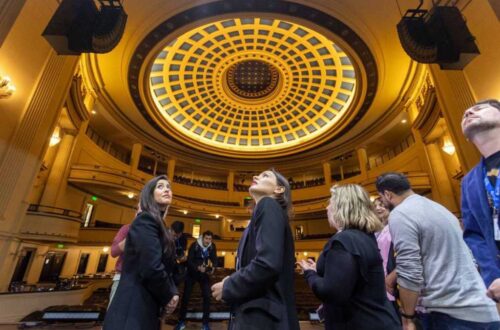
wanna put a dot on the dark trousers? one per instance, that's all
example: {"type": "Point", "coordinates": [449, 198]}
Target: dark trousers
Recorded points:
{"type": "Point", "coordinates": [205, 291]}
{"type": "Point", "coordinates": [441, 321]}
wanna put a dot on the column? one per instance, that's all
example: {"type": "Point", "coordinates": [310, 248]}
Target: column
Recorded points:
{"type": "Point", "coordinates": [341, 169]}
{"type": "Point", "coordinates": [33, 112]}
{"type": "Point", "coordinates": [363, 161]}
{"type": "Point", "coordinates": [230, 181]}
{"type": "Point", "coordinates": [327, 173]}
{"type": "Point", "coordinates": [454, 96]}
{"type": "Point", "coordinates": [57, 180]}
{"type": "Point", "coordinates": [171, 169]}
{"type": "Point", "coordinates": [135, 157]}
{"type": "Point", "coordinates": [442, 191]}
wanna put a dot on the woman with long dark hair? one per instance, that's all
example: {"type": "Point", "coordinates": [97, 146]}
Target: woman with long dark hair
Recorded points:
{"type": "Point", "coordinates": [261, 291]}
{"type": "Point", "coordinates": [146, 288]}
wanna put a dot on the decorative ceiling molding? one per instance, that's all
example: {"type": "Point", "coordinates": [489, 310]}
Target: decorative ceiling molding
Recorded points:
{"type": "Point", "coordinates": [360, 60]}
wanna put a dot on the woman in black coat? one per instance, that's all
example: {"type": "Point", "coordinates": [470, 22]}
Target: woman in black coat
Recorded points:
{"type": "Point", "coordinates": [349, 276]}
{"type": "Point", "coordinates": [261, 291]}
{"type": "Point", "coordinates": [146, 288]}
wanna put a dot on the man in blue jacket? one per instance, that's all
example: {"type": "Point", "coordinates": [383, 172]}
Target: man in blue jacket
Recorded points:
{"type": "Point", "coordinates": [481, 192]}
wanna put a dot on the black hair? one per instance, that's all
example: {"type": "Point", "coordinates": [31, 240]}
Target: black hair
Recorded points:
{"type": "Point", "coordinates": [207, 233]}
{"type": "Point", "coordinates": [394, 182]}
{"type": "Point", "coordinates": [285, 198]}
{"type": "Point", "coordinates": [149, 205]}
{"type": "Point", "coordinates": [492, 102]}
{"type": "Point", "coordinates": [177, 227]}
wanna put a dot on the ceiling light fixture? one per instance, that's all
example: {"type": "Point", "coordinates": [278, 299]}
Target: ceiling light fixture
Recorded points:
{"type": "Point", "coordinates": [130, 195]}
{"type": "Point", "coordinates": [56, 137]}
{"type": "Point", "coordinates": [6, 87]}
{"type": "Point", "coordinates": [448, 146]}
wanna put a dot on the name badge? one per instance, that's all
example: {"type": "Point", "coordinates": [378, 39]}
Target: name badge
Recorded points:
{"type": "Point", "coordinates": [496, 228]}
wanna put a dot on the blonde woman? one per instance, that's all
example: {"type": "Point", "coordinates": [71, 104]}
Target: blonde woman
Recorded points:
{"type": "Point", "coordinates": [349, 277]}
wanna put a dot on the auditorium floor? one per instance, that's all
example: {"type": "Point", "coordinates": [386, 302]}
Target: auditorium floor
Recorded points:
{"type": "Point", "coordinates": [304, 325]}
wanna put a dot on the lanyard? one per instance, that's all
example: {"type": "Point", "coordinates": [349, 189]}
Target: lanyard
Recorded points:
{"type": "Point", "coordinates": [494, 199]}
{"type": "Point", "coordinates": [493, 192]}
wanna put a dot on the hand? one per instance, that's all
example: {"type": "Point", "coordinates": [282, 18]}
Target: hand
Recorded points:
{"type": "Point", "coordinates": [494, 290]}
{"type": "Point", "coordinates": [121, 245]}
{"type": "Point", "coordinates": [182, 259]}
{"type": "Point", "coordinates": [172, 304]}
{"type": "Point", "coordinates": [308, 264]}
{"type": "Point", "coordinates": [217, 289]}
{"type": "Point", "coordinates": [202, 268]}
{"type": "Point", "coordinates": [390, 282]}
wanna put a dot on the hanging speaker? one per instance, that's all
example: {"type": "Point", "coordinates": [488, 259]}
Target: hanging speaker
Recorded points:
{"type": "Point", "coordinates": [440, 36]}
{"type": "Point", "coordinates": [79, 26]}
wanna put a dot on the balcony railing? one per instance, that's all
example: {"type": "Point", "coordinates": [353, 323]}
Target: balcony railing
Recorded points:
{"type": "Point", "coordinates": [37, 208]}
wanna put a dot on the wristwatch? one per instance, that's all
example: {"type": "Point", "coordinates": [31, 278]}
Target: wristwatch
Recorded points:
{"type": "Point", "coordinates": [408, 316]}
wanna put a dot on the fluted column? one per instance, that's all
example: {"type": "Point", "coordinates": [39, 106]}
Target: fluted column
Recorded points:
{"type": "Point", "coordinates": [171, 169]}
{"type": "Point", "coordinates": [454, 96]}
{"type": "Point", "coordinates": [57, 180]}
{"type": "Point", "coordinates": [442, 191]}
{"type": "Point", "coordinates": [135, 157]}
{"type": "Point", "coordinates": [327, 173]}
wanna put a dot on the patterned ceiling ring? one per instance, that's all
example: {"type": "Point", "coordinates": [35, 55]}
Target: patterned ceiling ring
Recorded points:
{"type": "Point", "coordinates": [274, 98]}
{"type": "Point", "coordinates": [315, 86]}
{"type": "Point", "coordinates": [320, 83]}
{"type": "Point", "coordinates": [252, 79]}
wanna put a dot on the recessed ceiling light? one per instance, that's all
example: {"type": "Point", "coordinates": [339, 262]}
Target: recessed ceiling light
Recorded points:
{"type": "Point", "coordinates": [404, 121]}
{"type": "Point", "coordinates": [93, 112]}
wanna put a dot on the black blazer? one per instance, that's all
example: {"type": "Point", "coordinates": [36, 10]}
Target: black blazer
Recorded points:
{"type": "Point", "coordinates": [350, 282]}
{"type": "Point", "coordinates": [261, 291]}
{"type": "Point", "coordinates": [146, 284]}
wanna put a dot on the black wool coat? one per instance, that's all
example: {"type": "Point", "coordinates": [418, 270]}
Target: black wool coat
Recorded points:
{"type": "Point", "coordinates": [261, 291]}
{"type": "Point", "coordinates": [146, 284]}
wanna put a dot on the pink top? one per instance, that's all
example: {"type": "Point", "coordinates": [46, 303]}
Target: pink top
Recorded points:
{"type": "Point", "coordinates": [115, 249]}
{"type": "Point", "coordinates": [384, 244]}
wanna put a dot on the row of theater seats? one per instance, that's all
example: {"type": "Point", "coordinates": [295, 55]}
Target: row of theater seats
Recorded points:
{"type": "Point", "coordinates": [218, 185]}
{"type": "Point", "coordinates": [201, 183]}
{"type": "Point", "coordinates": [307, 184]}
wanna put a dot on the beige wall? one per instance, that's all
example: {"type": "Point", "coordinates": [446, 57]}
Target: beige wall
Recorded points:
{"type": "Point", "coordinates": [482, 72]}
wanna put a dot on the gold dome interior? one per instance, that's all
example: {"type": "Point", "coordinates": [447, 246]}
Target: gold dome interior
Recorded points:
{"type": "Point", "coordinates": [252, 84]}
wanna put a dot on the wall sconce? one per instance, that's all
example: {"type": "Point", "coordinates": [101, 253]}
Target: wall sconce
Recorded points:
{"type": "Point", "coordinates": [6, 87]}
{"type": "Point", "coordinates": [55, 138]}
{"type": "Point", "coordinates": [448, 146]}
{"type": "Point", "coordinates": [105, 249]}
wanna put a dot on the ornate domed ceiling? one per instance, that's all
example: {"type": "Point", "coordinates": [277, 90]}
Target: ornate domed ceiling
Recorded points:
{"type": "Point", "coordinates": [252, 84]}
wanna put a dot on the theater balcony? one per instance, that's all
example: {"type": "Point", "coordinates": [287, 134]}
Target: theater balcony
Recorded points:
{"type": "Point", "coordinates": [48, 223]}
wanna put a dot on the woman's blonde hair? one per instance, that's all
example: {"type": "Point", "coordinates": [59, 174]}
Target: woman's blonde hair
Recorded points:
{"type": "Point", "coordinates": [352, 209]}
